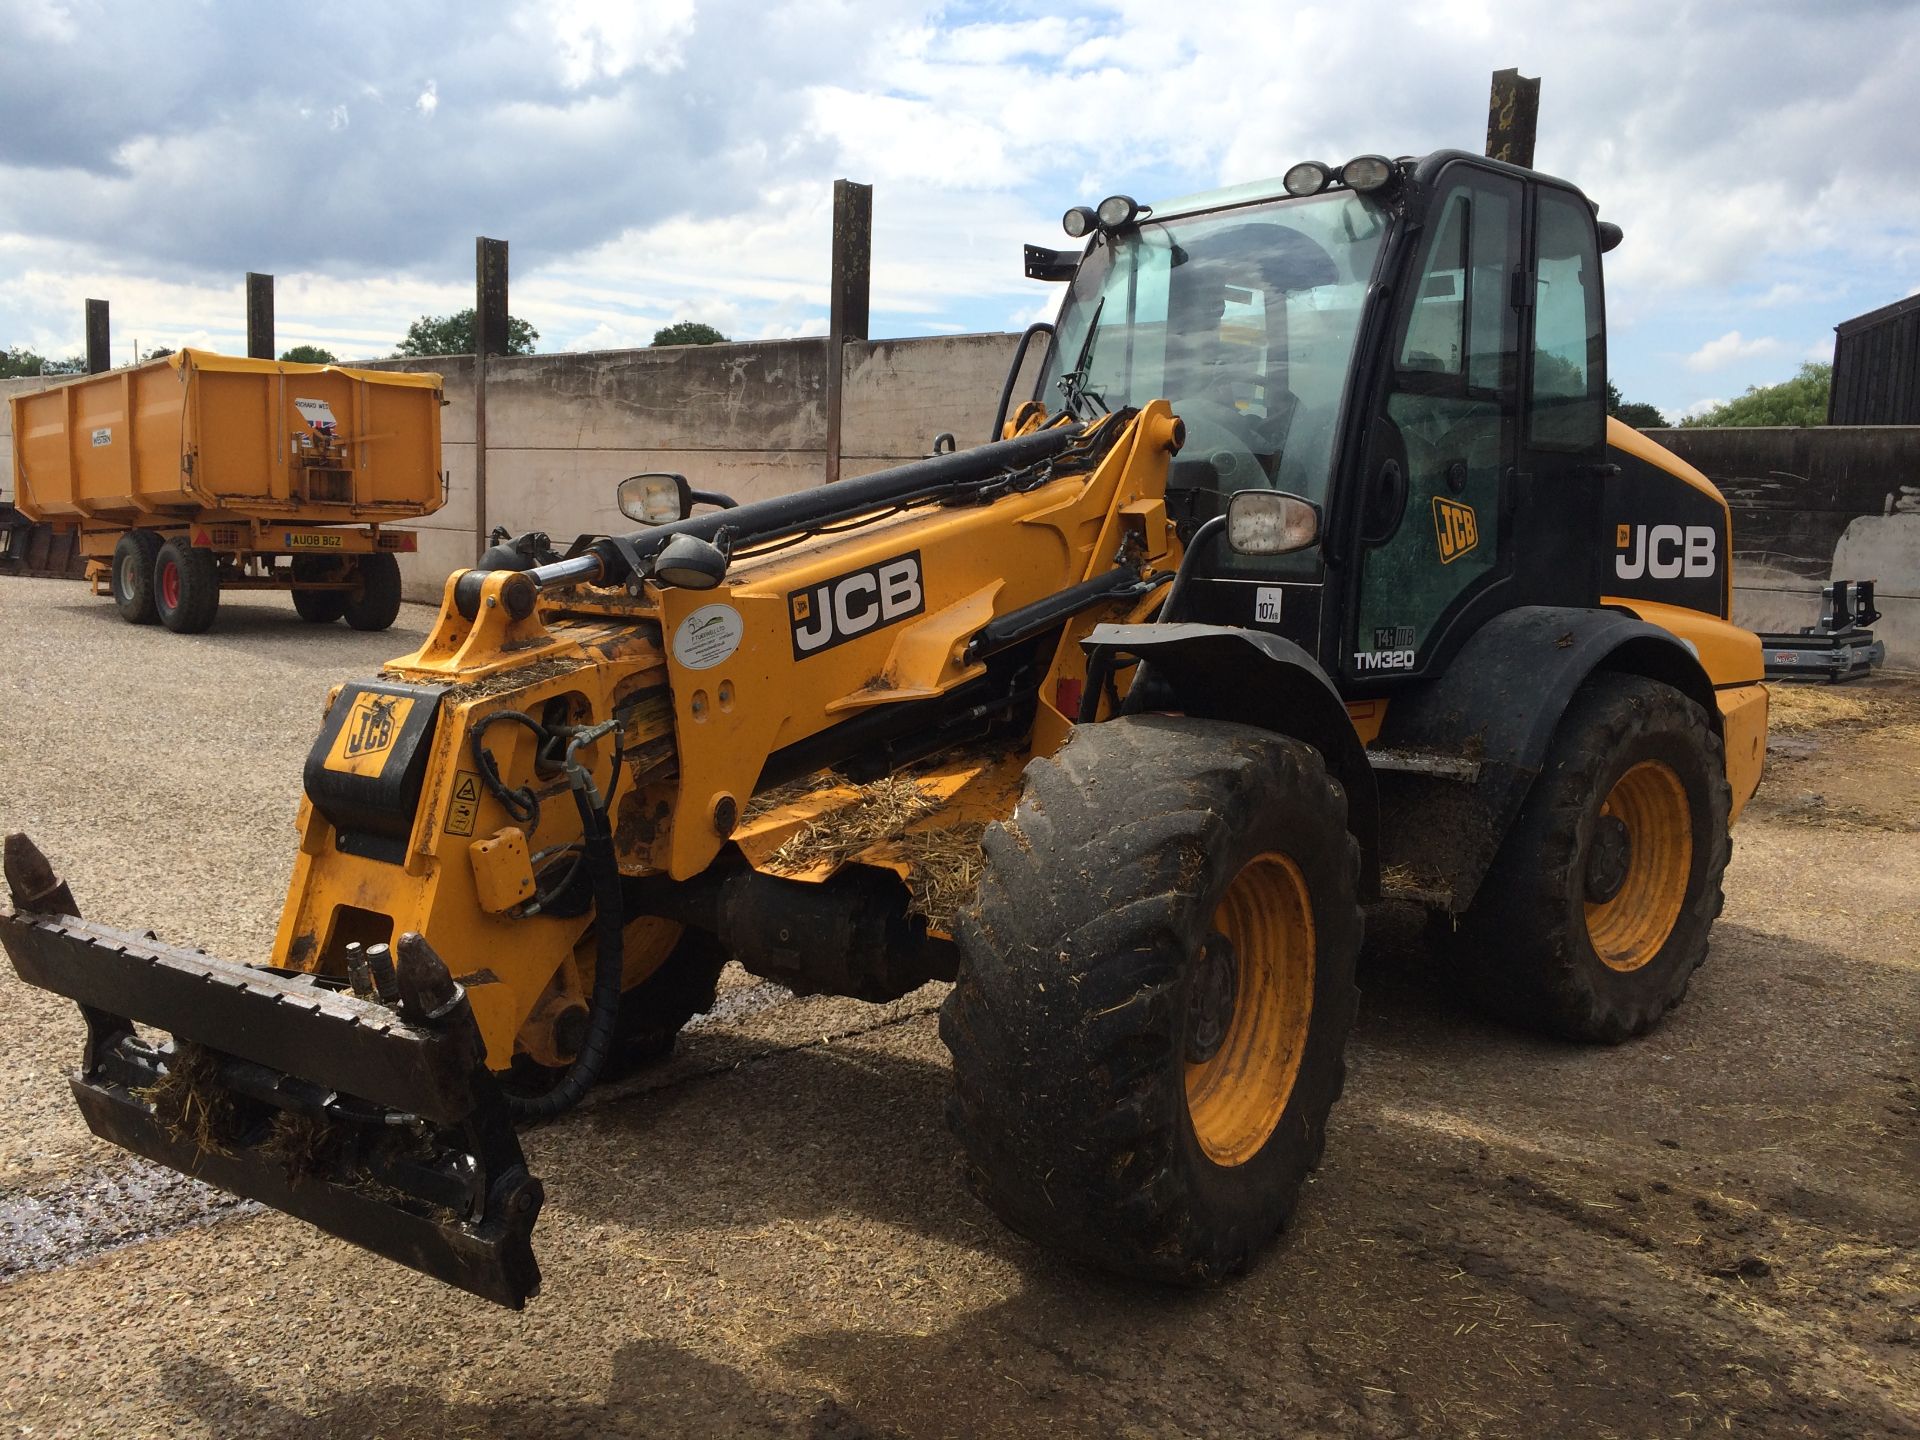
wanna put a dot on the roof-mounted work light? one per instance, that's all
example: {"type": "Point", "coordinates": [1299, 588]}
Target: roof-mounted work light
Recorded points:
{"type": "Point", "coordinates": [1309, 177]}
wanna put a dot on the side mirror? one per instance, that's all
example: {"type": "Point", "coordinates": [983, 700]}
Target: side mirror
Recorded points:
{"type": "Point", "coordinates": [656, 498]}
{"type": "Point", "coordinates": [1271, 522]}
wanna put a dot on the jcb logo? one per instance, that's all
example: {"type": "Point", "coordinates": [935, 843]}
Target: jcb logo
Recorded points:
{"type": "Point", "coordinates": [1455, 527]}
{"type": "Point", "coordinates": [1665, 552]}
{"type": "Point", "coordinates": [850, 605]}
{"type": "Point", "coordinates": [367, 734]}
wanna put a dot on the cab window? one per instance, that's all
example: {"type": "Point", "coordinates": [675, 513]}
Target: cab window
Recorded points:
{"type": "Point", "coordinates": [1566, 406]}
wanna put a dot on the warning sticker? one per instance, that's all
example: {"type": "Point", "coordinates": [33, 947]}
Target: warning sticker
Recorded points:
{"type": "Point", "coordinates": [465, 805]}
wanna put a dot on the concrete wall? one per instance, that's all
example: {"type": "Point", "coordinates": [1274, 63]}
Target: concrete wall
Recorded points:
{"type": "Point", "coordinates": [1832, 502]}
{"type": "Point", "coordinates": [747, 419]}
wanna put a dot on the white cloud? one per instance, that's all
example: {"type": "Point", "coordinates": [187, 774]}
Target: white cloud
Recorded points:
{"type": "Point", "coordinates": [429, 100]}
{"type": "Point", "coordinates": [1730, 348]}
{"type": "Point", "coordinates": [1698, 408]}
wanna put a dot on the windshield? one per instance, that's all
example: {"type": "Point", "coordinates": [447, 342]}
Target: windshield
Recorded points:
{"type": "Point", "coordinates": [1244, 320]}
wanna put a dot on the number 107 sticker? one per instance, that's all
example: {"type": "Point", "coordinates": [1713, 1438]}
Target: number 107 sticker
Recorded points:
{"type": "Point", "coordinates": [1266, 605]}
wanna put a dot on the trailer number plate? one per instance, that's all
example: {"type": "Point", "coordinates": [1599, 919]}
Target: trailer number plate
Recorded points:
{"type": "Point", "coordinates": [297, 541]}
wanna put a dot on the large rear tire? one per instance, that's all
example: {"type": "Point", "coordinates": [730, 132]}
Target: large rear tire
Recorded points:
{"type": "Point", "coordinates": [134, 554]}
{"type": "Point", "coordinates": [1155, 990]}
{"type": "Point", "coordinates": [1596, 911]}
{"type": "Point", "coordinates": [186, 583]}
{"type": "Point", "coordinates": [376, 603]}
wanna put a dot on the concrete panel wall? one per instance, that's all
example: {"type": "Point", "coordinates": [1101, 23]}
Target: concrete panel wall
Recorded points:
{"type": "Point", "coordinates": [746, 419]}
{"type": "Point", "coordinates": [1833, 502]}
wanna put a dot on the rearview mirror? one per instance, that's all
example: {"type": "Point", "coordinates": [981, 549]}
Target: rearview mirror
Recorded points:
{"type": "Point", "coordinates": [1271, 522]}
{"type": "Point", "coordinates": [656, 498]}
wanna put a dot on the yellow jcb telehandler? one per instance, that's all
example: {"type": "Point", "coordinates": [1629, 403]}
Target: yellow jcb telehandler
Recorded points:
{"type": "Point", "coordinates": [1313, 568]}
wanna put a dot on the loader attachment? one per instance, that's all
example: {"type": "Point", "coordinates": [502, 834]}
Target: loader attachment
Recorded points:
{"type": "Point", "coordinates": [377, 1122]}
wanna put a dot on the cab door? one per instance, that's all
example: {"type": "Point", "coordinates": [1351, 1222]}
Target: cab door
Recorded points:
{"type": "Point", "coordinates": [1438, 471]}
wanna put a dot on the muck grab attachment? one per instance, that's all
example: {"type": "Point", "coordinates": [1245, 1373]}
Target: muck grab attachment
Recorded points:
{"type": "Point", "coordinates": [366, 1111]}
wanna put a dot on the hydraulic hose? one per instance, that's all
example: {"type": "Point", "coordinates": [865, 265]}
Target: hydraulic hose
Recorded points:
{"type": "Point", "coordinates": [609, 960]}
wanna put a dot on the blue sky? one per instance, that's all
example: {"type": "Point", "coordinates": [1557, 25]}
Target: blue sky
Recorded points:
{"type": "Point", "coordinates": [673, 159]}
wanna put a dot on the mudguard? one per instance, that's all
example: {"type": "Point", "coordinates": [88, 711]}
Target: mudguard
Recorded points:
{"type": "Point", "coordinates": [1225, 673]}
{"type": "Point", "coordinates": [1455, 758]}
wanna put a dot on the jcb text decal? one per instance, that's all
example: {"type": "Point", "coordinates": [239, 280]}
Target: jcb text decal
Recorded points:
{"type": "Point", "coordinates": [367, 734]}
{"type": "Point", "coordinates": [1455, 527]}
{"type": "Point", "coordinates": [1665, 552]}
{"type": "Point", "coordinates": [850, 605]}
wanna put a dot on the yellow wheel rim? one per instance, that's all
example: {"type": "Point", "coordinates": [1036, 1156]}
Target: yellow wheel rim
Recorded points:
{"type": "Point", "coordinates": [1629, 929]}
{"type": "Point", "coordinates": [1237, 1095]}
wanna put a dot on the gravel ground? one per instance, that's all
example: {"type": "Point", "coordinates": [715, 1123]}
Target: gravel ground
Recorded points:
{"type": "Point", "coordinates": [1713, 1229]}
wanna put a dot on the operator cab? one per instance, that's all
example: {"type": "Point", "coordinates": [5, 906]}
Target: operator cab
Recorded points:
{"type": "Point", "coordinates": [1422, 359]}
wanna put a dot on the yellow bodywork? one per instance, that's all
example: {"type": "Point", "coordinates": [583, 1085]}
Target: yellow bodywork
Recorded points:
{"type": "Point", "coordinates": [698, 720]}
{"type": "Point", "coordinates": [706, 689]}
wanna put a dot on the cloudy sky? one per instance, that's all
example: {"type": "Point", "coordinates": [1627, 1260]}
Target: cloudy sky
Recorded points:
{"type": "Point", "coordinates": [673, 159]}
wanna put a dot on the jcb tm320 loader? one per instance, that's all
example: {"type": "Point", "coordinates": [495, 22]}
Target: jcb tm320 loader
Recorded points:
{"type": "Point", "coordinates": [1313, 569]}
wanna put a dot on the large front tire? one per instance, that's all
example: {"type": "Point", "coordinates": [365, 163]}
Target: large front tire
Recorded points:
{"type": "Point", "coordinates": [1596, 911]}
{"type": "Point", "coordinates": [1155, 990]}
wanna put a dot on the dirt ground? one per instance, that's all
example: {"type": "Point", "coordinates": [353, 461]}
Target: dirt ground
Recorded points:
{"type": "Point", "coordinates": [1715, 1229]}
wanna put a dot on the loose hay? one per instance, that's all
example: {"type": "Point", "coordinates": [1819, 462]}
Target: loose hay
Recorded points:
{"type": "Point", "coordinates": [943, 863]}
{"type": "Point", "coordinates": [190, 1103]}
{"type": "Point", "coordinates": [1794, 709]}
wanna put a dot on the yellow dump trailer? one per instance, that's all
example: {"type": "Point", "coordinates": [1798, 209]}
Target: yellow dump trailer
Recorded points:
{"type": "Point", "coordinates": [201, 473]}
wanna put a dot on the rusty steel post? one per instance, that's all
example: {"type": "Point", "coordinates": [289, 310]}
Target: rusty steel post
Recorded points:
{"type": "Point", "coordinates": [490, 337]}
{"type": "Point", "coordinates": [847, 314]}
{"type": "Point", "coordinates": [99, 352]}
{"type": "Point", "coordinates": [31, 883]}
{"type": "Point", "coordinates": [259, 316]}
{"type": "Point", "coordinates": [1513, 115]}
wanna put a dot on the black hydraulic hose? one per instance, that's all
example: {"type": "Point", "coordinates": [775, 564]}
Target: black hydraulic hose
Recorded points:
{"type": "Point", "coordinates": [609, 963]}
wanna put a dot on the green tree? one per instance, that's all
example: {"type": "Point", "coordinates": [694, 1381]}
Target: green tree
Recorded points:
{"type": "Point", "coordinates": [1637, 413]}
{"type": "Point", "coordinates": [1799, 401]}
{"type": "Point", "coordinates": [19, 361]}
{"type": "Point", "coordinates": [688, 332]}
{"type": "Point", "coordinates": [453, 335]}
{"type": "Point", "coordinates": [310, 355]}
{"type": "Point", "coordinates": [159, 352]}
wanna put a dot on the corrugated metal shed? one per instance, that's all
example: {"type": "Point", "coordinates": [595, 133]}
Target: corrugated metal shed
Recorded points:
{"type": "Point", "coordinates": [1876, 367]}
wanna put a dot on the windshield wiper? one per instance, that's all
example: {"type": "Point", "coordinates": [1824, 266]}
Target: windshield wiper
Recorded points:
{"type": "Point", "coordinates": [1073, 384]}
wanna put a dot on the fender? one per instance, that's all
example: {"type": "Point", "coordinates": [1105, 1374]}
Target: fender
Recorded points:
{"type": "Point", "coordinates": [1222, 672]}
{"type": "Point", "coordinates": [1456, 757]}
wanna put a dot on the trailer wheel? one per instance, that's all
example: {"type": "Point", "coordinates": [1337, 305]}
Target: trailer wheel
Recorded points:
{"type": "Point", "coordinates": [1155, 990]}
{"type": "Point", "coordinates": [134, 555]}
{"type": "Point", "coordinates": [317, 607]}
{"type": "Point", "coordinates": [376, 603]}
{"type": "Point", "coordinates": [186, 585]}
{"type": "Point", "coordinates": [1596, 911]}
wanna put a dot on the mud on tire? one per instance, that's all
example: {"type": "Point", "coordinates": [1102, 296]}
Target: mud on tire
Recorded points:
{"type": "Point", "coordinates": [1090, 979]}
{"type": "Point", "coordinates": [1539, 947]}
